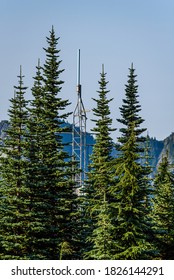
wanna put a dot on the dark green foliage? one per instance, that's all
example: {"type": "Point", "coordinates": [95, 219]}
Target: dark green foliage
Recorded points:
{"type": "Point", "coordinates": [36, 172]}
{"type": "Point", "coordinates": [132, 190]}
{"type": "Point", "coordinates": [131, 225]}
{"type": "Point", "coordinates": [117, 214]}
{"type": "Point", "coordinates": [163, 210]}
{"type": "Point", "coordinates": [50, 176]}
{"type": "Point", "coordinates": [101, 158]}
{"type": "Point", "coordinates": [14, 207]}
{"type": "Point", "coordinates": [130, 111]}
{"type": "Point", "coordinates": [100, 179]}
{"type": "Point", "coordinates": [102, 235]}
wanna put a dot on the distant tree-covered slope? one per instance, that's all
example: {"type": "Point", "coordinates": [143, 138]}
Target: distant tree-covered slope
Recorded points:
{"type": "Point", "coordinates": [157, 147]}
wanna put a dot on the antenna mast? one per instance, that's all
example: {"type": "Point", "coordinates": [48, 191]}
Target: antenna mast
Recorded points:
{"type": "Point", "coordinates": [79, 132]}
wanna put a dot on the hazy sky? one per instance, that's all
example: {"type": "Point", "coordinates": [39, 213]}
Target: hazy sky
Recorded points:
{"type": "Point", "coordinates": [113, 32]}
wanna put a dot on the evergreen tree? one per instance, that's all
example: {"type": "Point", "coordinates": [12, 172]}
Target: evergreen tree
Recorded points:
{"type": "Point", "coordinates": [50, 173]}
{"type": "Point", "coordinates": [163, 209]}
{"type": "Point", "coordinates": [100, 178]}
{"type": "Point", "coordinates": [130, 112]}
{"type": "Point", "coordinates": [36, 131]}
{"type": "Point", "coordinates": [102, 235]}
{"type": "Point", "coordinates": [132, 190]}
{"type": "Point", "coordinates": [14, 206]}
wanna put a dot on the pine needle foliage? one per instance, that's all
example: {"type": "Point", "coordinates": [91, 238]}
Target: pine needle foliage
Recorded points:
{"type": "Point", "coordinates": [36, 171]}
{"type": "Point", "coordinates": [163, 209]}
{"type": "Point", "coordinates": [100, 178]}
{"type": "Point", "coordinates": [102, 235]}
{"type": "Point", "coordinates": [14, 206]}
{"type": "Point", "coordinates": [50, 173]}
{"type": "Point", "coordinates": [132, 189]}
{"type": "Point", "coordinates": [130, 111]}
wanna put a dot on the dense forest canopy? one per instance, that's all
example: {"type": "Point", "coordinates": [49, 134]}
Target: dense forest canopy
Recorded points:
{"type": "Point", "coordinates": [119, 212]}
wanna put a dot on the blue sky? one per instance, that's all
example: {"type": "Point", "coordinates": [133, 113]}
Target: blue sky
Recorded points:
{"type": "Point", "coordinates": [113, 32]}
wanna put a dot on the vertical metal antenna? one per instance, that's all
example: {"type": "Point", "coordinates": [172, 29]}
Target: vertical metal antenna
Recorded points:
{"type": "Point", "coordinates": [78, 68]}
{"type": "Point", "coordinates": [79, 132]}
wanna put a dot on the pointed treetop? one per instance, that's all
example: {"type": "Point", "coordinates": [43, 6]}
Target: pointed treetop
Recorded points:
{"type": "Point", "coordinates": [20, 77]}
{"type": "Point", "coordinates": [20, 70]}
{"type": "Point", "coordinates": [103, 69]}
{"type": "Point", "coordinates": [132, 67]}
{"type": "Point", "coordinates": [38, 63]}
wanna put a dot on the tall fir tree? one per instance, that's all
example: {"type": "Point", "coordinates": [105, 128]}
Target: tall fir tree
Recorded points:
{"type": "Point", "coordinates": [163, 210]}
{"type": "Point", "coordinates": [130, 112]}
{"type": "Point", "coordinates": [50, 174]}
{"type": "Point", "coordinates": [36, 170]}
{"type": "Point", "coordinates": [14, 204]}
{"type": "Point", "coordinates": [100, 179]}
{"type": "Point", "coordinates": [132, 190]}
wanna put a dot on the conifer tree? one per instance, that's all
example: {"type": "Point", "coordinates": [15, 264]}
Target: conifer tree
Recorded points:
{"type": "Point", "coordinates": [50, 174]}
{"type": "Point", "coordinates": [36, 170]}
{"type": "Point", "coordinates": [14, 205]}
{"type": "Point", "coordinates": [100, 178]}
{"type": "Point", "coordinates": [130, 111]}
{"type": "Point", "coordinates": [163, 209]}
{"type": "Point", "coordinates": [102, 235]}
{"type": "Point", "coordinates": [132, 189]}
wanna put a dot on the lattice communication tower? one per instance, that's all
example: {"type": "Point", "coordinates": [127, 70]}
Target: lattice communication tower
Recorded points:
{"type": "Point", "coordinates": [79, 132]}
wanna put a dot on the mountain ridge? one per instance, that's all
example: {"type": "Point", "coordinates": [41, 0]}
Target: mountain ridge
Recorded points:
{"type": "Point", "coordinates": [157, 147]}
